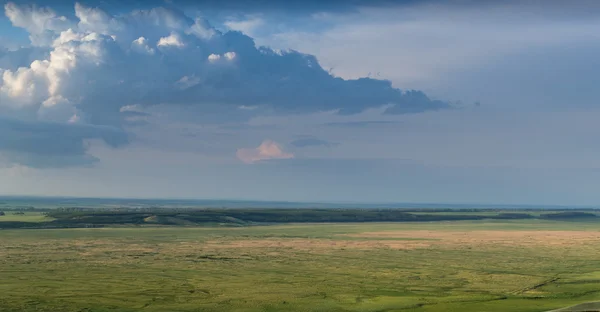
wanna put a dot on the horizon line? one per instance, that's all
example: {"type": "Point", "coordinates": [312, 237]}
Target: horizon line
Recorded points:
{"type": "Point", "coordinates": [326, 202]}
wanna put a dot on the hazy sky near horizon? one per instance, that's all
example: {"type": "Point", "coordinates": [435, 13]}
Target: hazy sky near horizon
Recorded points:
{"type": "Point", "coordinates": [370, 101]}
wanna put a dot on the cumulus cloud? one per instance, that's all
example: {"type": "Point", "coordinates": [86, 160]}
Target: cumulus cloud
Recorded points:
{"type": "Point", "coordinates": [42, 23]}
{"type": "Point", "coordinates": [172, 40]}
{"type": "Point", "coordinates": [202, 29]}
{"type": "Point", "coordinates": [94, 53]}
{"type": "Point", "coordinates": [227, 56]}
{"type": "Point", "coordinates": [141, 45]}
{"type": "Point", "coordinates": [265, 151]}
{"type": "Point", "coordinates": [99, 63]}
{"type": "Point", "coordinates": [214, 57]}
{"type": "Point", "coordinates": [50, 87]}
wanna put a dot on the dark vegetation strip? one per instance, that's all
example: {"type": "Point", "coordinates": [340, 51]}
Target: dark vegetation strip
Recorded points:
{"type": "Point", "coordinates": [85, 217]}
{"type": "Point", "coordinates": [538, 285]}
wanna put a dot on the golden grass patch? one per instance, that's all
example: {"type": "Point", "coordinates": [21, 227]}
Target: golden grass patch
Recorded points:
{"type": "Point", "coordinates": [497, 237]}
{"type": "Point", "coordinates": [311, 244]}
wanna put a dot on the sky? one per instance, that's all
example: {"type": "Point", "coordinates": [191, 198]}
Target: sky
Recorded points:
{"type": "Point", "coordinates": [333, 101]}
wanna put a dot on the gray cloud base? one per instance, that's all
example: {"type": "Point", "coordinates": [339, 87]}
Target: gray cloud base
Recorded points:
{"type": "Point", "coordinates": [46, 144]}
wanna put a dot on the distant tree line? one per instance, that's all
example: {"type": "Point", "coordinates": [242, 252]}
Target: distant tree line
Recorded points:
{"type": "Point", "coordinates": [86, 217]}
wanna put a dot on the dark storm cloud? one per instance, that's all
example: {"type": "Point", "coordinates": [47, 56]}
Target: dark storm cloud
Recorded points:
{"type": "Point", "coordinates": [45, 144]}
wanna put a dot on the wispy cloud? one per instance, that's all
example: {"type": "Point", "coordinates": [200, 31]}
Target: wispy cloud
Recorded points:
{"type": "Point", "coordinates": [247, 25]}
{"type": "Point", "coordinates": [311, 141]}
{"type": "Point", "coordinates": [358, 124]}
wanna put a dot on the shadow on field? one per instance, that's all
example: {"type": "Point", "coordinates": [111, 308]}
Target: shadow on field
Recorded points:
{"type": "Point", "coordinates": [584, 307]}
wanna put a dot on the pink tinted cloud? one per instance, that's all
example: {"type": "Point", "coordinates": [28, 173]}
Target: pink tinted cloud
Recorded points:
{"type": "Point", "coordinates": [268, 149]}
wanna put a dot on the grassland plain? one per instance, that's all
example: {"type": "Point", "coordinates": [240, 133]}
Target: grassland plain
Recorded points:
{"type": "Point", "coordinates": [28, 216]}
{"type": "Point", "coordinates": [523, 265]}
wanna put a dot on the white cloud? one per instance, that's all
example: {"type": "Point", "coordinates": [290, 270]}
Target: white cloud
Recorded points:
{"type": "Point", "coordinates": [140, 45]}
{"type": "Point", "coordinates": [51, 83]}
{"type": "Point", "coordinates": [245, 107]}
{"type": "Point", "coordinates": [42, 23]}
{"type": "Point", "coordinates": [214, 57]}
{"type": "Point", "coordinates": [93, 19]}
{"type": "Point", "coordinates": [172, 40]}
{"type": "Point", "coordinates": [265, 151]}
{"type": "Point", "coordinates": [131, 108]}
{"type": "Point", "coordinates": [247, 26]}
{"type": "Point", "coordinates": [202, 29]}
{"type": "Point", "coordinates": [74, 119]}
{"type": "Point", "coordinates": [67, 36]}
{"type": "Point", "coordinates": [25, 86]}
{"type": "Point", "coordinates": [187, 82]}
{"type": "Point", "coordinates": [229, 56]}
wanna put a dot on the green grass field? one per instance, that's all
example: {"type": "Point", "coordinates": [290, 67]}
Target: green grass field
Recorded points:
{"type": "Point", "coordinates": [28, 216]}
{"type": "Point", "coordinates": [524, 265]}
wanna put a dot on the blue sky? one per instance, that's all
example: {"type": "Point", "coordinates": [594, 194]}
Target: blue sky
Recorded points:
{"type": "Point", "coordinates": [367, 101]}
